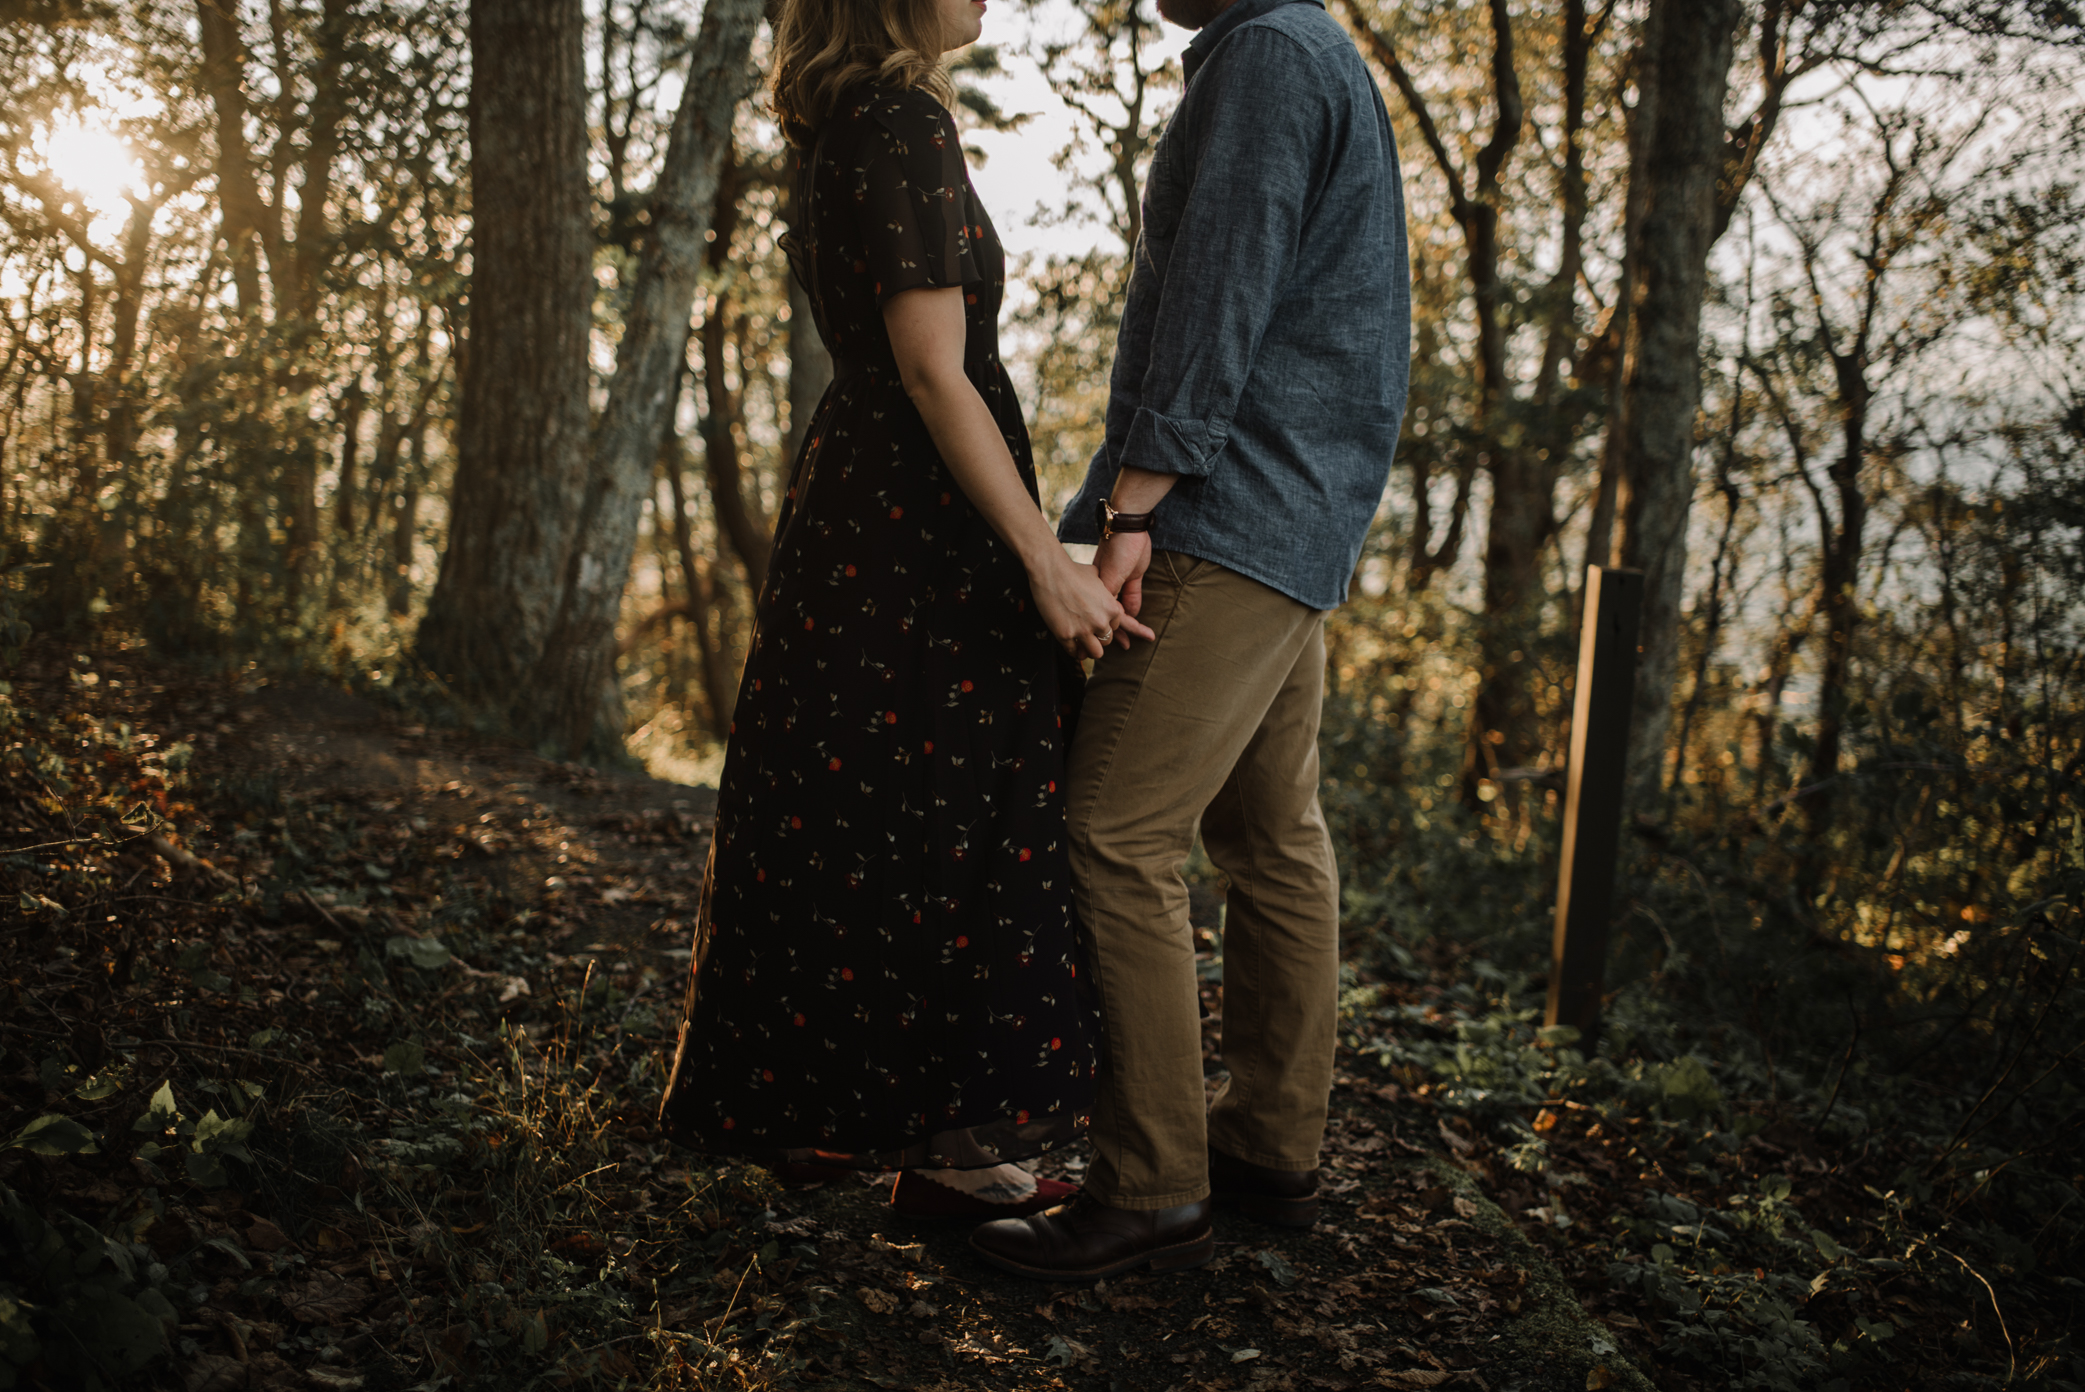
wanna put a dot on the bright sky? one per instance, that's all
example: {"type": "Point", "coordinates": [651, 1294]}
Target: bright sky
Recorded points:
{"type": "Point", "coordinates": [1017, 174]}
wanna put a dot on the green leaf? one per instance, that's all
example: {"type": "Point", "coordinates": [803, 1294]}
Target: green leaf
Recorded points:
{"type": "Point", "coordinates": [52, 1134]}
{"type": "Point", "coordinates": [223, 1135]}
{"type": "Point", "coordinates": [124, 1336]}
{"type": "Point", "coordinates": [535, 1335]}
{"type": "Point", "coordinates": [260, 1039]}
{"type": "Point", "coordinates": [1557, 1034]}
{"type": "Point", "coordinates": [405, 1058]}
{"type": "Point", "coordinates": [1826, 1248]}
{"type": "Point", "coordinates": [206, 1169]}
{"type": "Point", "coordinates": [163, 1112]}
{"type": "Point", "coordinates": [18, 1343]}
{"type": "Point", "coordinates": [107, 1083]}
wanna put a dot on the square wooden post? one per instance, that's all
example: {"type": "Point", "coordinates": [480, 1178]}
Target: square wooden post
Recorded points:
{"type": "Point", "coordinates": [1593, 797]}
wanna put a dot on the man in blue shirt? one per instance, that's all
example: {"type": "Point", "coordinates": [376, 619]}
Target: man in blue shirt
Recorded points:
{"type": "Point", "coordinates": [1259, 381]}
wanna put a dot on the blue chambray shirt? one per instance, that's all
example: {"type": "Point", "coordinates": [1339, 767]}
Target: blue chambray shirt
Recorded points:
{"type": "Point", "coordinates": [1266, 344]}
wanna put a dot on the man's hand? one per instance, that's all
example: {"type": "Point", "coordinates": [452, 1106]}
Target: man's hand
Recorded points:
{"type": "Point", "coordinates": [1122, 560]}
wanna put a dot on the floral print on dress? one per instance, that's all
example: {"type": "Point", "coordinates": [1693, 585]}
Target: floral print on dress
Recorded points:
{"type": "Point", "coordinates": [886, 961]}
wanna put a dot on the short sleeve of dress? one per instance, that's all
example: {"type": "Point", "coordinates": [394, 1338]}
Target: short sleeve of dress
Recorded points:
{"type": "Point", "coordinates": [913, 197]}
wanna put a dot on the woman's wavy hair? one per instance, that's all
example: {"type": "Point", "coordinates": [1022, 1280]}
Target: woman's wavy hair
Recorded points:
{"type": "Point", "coordinates": [824, 47]}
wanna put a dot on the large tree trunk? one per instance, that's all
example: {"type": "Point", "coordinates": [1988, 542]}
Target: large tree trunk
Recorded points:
{"type": "Point", "coordinates": [1683, 73]}
{"type": "Point", "coordinates": [243, 215]}
{"type": "Point", "coordinates": [521, 436]}
{"type": "Point", "coordinates": [581, 707]}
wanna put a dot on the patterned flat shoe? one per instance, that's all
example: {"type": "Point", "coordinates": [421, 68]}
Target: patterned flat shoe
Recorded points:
{"type": "Point", "coordinates": [915, 1196]}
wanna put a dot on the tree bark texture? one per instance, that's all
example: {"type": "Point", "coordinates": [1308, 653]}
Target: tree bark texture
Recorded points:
{"type": "Point", "coordinates": [580, 706]}
{"type": "Point", "coordinates": [1682, 75]}
{"type": "Point", "coordinates": [521, 433]}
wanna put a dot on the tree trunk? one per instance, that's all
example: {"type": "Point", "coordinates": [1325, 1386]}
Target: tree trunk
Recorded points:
{"type": "Point", "coordinates": [1683, 72]}
{"type": "Point", "coordinates": [243, 216]}
{"type": "Point", "coordinates": [521, 436]}
{"type": "Point", "coordinates": [581, 708]}
{"type": "Point", "coordinates": [740, 522]}
{"type": "Point", "coordinates": [718, 690]}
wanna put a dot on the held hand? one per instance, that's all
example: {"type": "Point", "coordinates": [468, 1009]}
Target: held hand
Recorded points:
{"type": "Point", "coordinates": [1121, 561]}
{"type": "Point", "coordinates": [1081, 613]}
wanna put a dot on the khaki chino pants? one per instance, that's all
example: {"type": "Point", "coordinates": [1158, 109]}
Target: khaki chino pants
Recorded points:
{"type": "Point", "coordinates": [1215, 723]}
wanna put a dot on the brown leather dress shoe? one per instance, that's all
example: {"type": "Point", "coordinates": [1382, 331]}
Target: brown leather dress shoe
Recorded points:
{"type": "Point", "coordinates": [1090, 1241]}
{"type": "Point", "coordinates": [1285, 1198]}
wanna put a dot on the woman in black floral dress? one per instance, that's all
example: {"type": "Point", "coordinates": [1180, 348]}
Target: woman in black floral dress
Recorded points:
{"type": "Point", "coordinates": [885, 971]}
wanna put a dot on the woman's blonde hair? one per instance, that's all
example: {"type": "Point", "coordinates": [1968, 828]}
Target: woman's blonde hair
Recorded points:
{"type": "Point", "coordinates": [823, 47]}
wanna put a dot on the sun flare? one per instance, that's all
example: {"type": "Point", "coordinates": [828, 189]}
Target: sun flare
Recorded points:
{"type": "Point", "coordinates": [96, 164]}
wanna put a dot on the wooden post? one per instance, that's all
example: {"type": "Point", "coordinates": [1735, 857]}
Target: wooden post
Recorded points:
{"type": "Point", "coordinates": [1593, 797]}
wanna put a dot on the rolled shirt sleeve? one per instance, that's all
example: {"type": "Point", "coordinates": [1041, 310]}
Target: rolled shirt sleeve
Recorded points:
{"type": "Point", "coordinates": [1247, 166]}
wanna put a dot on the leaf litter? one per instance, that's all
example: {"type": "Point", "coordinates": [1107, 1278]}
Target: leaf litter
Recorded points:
{"type": "Point", "coordinates": [335, 1047]}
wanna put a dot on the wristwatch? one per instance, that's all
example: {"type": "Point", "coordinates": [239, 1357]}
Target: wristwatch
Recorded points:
{"type": "Point", "coordinates": [1112, 521]}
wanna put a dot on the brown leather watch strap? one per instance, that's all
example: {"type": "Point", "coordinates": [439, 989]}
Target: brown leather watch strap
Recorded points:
{"type": "Point", "coordinates": [1112, 521]}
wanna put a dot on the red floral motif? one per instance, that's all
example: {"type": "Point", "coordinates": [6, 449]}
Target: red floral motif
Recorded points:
{"type": "Point", "coordinates": [796, 823]}
{"type": "Point", "coordinates": [966, 686]}
{"type": "Point", "coordinates": [834, 765]}
{"type": "Point", "coordinates": [930, 746]}
{"type": "Point", "coordinates": [890, 717]}
{"type": "Point", "coordinates": [961, 939]}
{"type": "Point", "coordinates": [847, 973]}
{"type": "Point", "coordinates": [799, 1018]}
{"type": "Point", "coordinates": [767, 1075]}
{"type": "Point", "coordinates": [850, 570]}
{"type": "Point", "coordinates": [1026, 853]}
{"type": "Point", "coordinates": [896, 513]}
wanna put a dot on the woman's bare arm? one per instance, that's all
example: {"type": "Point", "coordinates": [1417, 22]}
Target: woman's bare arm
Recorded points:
{"type": "Point", "coordinates": [926, 335]}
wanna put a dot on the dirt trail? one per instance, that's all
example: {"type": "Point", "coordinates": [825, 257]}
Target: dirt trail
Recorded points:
{"type": "Point", "coordinates": [493, 890]}
{"type": "Point", "coordinates": [1412, 1278]}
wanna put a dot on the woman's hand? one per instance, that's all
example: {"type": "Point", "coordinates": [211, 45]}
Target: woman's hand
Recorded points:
{"type": "Point", "coordinates": [1080, 613]}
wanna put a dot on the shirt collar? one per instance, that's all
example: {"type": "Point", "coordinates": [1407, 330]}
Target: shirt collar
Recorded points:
{"type": "Point", "coordinates": [1213, 33]}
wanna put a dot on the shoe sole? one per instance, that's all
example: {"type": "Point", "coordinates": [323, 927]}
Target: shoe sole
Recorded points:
{"type": "Point", "coordinates": [1280, 1213]}
{"type": "Point", "coordinates": [1179, 1257]}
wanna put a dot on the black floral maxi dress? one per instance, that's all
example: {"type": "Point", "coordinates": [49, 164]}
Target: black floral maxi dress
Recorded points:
{"type": "Point", "coordinates": [885, 962]}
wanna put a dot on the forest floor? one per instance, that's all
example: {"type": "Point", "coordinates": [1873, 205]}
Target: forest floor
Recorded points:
{"type": "Point", "coordinates": [331, 1051]}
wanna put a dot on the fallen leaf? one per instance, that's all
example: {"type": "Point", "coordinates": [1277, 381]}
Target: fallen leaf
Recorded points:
{"type": "Point", "coordinates": [1065, 1352]}
{"type": "Point", "coordinates": [1465, 1208]}
{"type": "Point", "coordinates": [264, 1236]}
{"type": "Point", "coordinates": [878, 1302]}
{"type": "Point", "coordinates": [326, 1298]}
{"type": "Point", "coordinates": [333, 1379]}
{"type": "Point", "coordinates": [214, 1372]}
{"type": "Point", "coordinates": [1416, 1377]}
{"type": "Point", "coordinates": [1598, 1377]}
{"type": "Point", "coordinates": [1284, 1275]}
